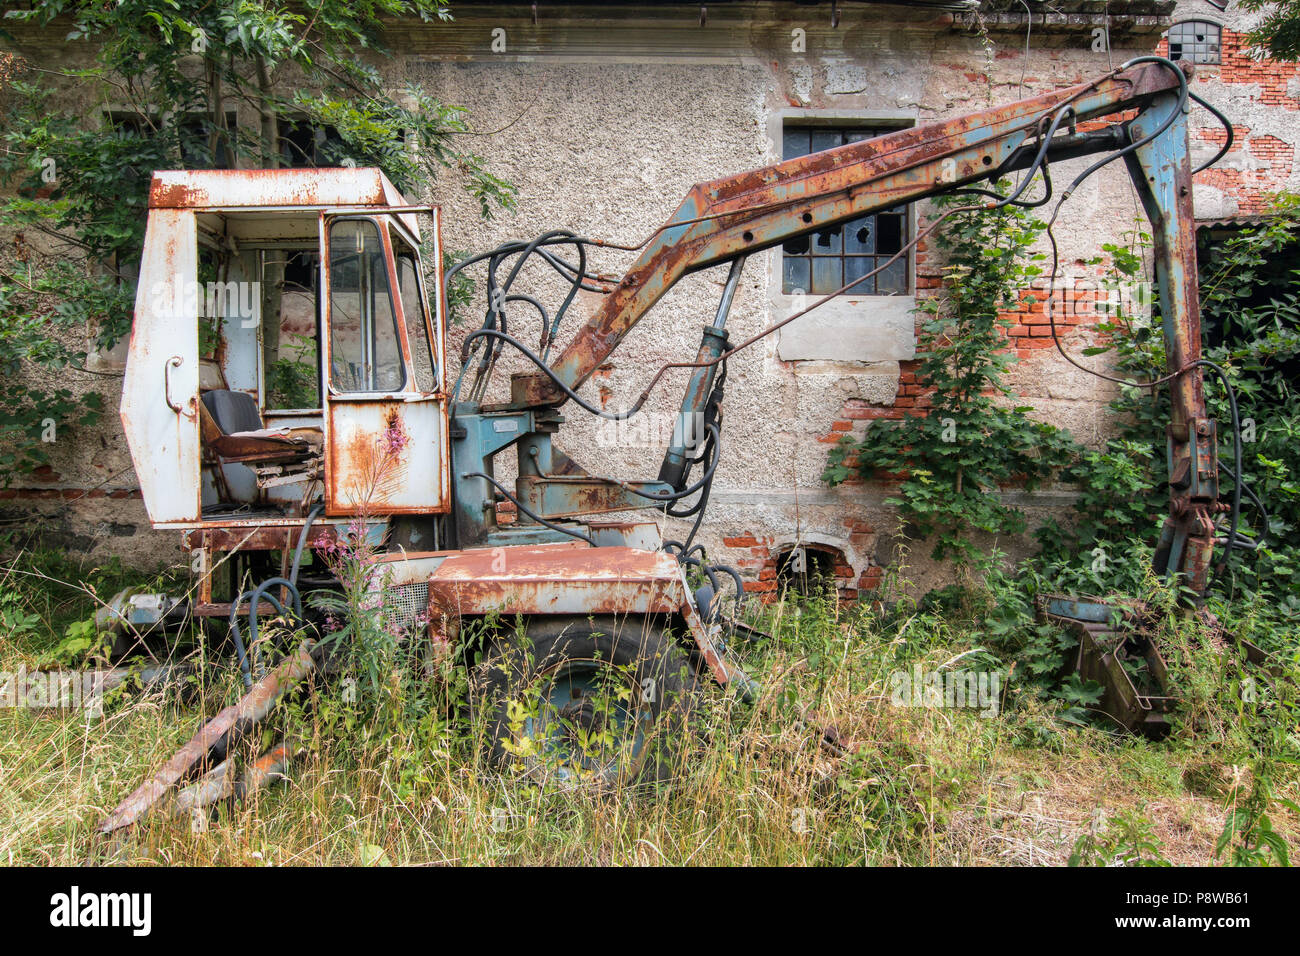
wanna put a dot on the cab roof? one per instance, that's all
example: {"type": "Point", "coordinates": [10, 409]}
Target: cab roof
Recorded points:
{"type": "Point", "coordinates": [271, 188]}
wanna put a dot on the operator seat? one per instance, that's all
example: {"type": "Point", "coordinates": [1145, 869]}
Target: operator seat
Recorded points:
{"type": "Point", "coordinates": [235, 441]}
{"type": "Point", "coordinates": [232, 428]}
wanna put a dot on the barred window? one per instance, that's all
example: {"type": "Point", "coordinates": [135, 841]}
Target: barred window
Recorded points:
{"type": "Point", "coordinates": [1195, 40]}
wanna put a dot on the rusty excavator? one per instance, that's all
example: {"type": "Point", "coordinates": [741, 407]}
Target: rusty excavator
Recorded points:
{"type": "Point", "coordinates": [327, 413]}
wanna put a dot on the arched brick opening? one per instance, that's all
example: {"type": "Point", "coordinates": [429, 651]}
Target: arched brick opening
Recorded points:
{"type": "Point", "coordinates": [806, 566]}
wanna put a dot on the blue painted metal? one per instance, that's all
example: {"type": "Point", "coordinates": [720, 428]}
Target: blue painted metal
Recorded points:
{"type": "Point", "coordinates": [689, 430]}
{"type": "Point", "coordinates": [552, 485]}
{"type": "Point", "coordinates": [476, 437]}
{"type": "Point", "coordinates": [517, 535]}
{"type": "Point", "coordinates": [549, 483]}
{"type": "Point", "coordinates": [1161, 171]}
{"type": "Point", "coordinates": [571, 496]}
{"type": "Point", "coordinates": [1077, 609]}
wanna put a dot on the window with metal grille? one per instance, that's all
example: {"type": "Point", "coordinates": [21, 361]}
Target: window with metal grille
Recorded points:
{"type": "Point", "coordinates": [824, 261]}
{"type": "Point", "coordinates": [203, 145]}
{"type": "Point", "coordinates": [305, 145]}
{"type": "Point", "coordinates": [1195, 40]}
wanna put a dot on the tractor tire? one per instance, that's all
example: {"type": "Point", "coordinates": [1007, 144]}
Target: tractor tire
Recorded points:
{"type": "Point", "coordinates": [547, 698]}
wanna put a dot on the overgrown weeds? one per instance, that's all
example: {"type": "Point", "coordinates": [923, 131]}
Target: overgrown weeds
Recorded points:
{"type": "Point", "coordinates": [395, 771]}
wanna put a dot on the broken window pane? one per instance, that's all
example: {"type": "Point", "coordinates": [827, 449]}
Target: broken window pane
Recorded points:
{"type": "Point", "coordinates": [199, 132]}
{"type": "Point", "coordinates": [303, 144]}
{"type": "Point", "coordinates": [889, 234]}
{"type": "Point", "coordinates": [827, 258]}
{"type": "Point", "coordinates": [859, 235]}
{"type": "Point", "coordinates": [892, 280]}
{"type": "Point", "coordinates": [827, 241]}
{"type": "Point", "coordinates": [1195, 40]}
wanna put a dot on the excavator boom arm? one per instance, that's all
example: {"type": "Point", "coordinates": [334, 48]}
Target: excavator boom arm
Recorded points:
{"type": "Point", "coordinates": [729, 219]}
{"type": "Point", "coordinates": [745, 213]}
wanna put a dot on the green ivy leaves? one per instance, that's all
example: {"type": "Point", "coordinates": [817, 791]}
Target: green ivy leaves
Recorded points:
{"type": "Point", "coordinates": [953, 463]}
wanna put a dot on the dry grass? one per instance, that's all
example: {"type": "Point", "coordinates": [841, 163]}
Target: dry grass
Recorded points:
{"type": "Point", "coordinates": [403, 783]}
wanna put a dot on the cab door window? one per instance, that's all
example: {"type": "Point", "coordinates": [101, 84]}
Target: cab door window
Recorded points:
{"type": "Point", "coordinates": [415, 314]}
{"type": "Point", "coordinates": [365, 354]}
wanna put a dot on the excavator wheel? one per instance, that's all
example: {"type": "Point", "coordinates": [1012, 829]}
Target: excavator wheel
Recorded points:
{"type": "Point", "coordinates": [600, 703]}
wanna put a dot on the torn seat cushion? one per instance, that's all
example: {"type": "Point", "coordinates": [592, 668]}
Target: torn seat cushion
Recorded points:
{"type": "Point", "coordinates": [233, 411]}
{"type": "Point", "coordinates": [232, 428]}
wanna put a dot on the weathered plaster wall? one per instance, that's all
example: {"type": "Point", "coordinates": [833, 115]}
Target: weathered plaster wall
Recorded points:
{"type": "Point", "coordinates": [604, 125]}
{"type": "Point", "coordinates": [606, 144]}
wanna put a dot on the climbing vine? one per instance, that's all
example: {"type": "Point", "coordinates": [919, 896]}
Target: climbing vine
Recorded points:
{"type": "Point", "coordinates": [1250, 316]}
{"type": "Point", "coordinates": [952, 463]}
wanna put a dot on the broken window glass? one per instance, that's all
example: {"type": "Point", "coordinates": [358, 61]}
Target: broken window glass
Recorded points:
{"type": "Point", "coordinates": [1196, 41]}
{"type": "Point", "coordinates": [825, 260]}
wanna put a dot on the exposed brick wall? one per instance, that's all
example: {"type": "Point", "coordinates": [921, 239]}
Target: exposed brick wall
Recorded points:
{"type": "Point", "coordinates": [1239, 66]}
{"type": "Point", "coordinates": [1073, 306]}
{"type": "Point", "coordinates": [1251, 188]}
{"type": "Point", "coordinates": [1275, 158]}
{"type": "Point", "coordinates": [759, 563]}
{"type": "Point", "coordinates": [862, 537]}
{"type": "Point", "coordinates": [1031, 328]}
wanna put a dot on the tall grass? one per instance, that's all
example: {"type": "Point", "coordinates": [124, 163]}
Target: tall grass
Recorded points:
{"type": "Point", "coordinates": [399, 776]}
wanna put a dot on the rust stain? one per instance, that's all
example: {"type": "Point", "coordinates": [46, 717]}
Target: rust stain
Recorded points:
{"type": "Point", "coordinates": [557, 579]}
{"type": "Point", "coordinates": [558, 560]}
{"type": "Point", "coordinates": [365, 470]}
{"type": "Point", "coordinates": [239, 537]}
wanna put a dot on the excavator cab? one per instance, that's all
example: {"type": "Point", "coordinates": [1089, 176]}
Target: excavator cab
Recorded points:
{"type": "Point", "coordinates": [287, 352]}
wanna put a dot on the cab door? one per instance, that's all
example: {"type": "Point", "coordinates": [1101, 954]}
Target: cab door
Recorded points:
{"type": "Point", "coordinates": [385, 403]}
{"type": "Point", "coordinates": [160, 390]}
